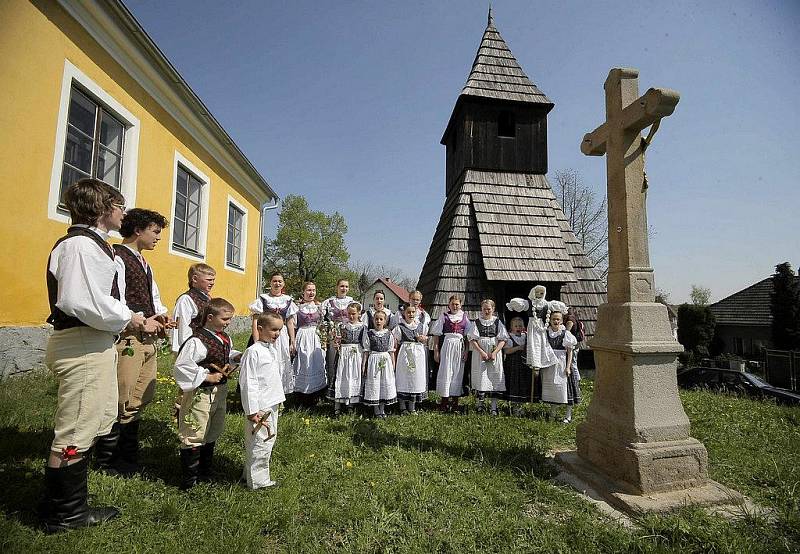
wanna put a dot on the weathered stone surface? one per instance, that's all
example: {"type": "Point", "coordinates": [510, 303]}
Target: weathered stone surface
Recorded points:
{"type": "Point", "coordinates": [22, 349]}
{"type": "Point", "coordinates": [618, 495]}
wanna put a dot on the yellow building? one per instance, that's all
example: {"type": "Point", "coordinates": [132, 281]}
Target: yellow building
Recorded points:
{"type": "Point", "coordinates": [87, 92]}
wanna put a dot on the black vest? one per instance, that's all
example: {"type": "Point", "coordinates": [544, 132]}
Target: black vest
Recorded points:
{"type": "Point", "coordinates": [138, 283]}
{"type": "Point", "coordinates": [379, 343]}
{"type": "Point", "coordinates": [200, 300]}
{"type": "Point", "coordinates": [490, 330]}
{"type": "Point", "coordinates": [218, 352]}
{"type": "Point", "coordinates": [557, 342]}
{"type": "Point", "coordinates": [409, 335]}
{"type": "Point", "coordinates": [58, 319]}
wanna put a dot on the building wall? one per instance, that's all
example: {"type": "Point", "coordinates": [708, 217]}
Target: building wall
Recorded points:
{"type": "Point", "coordinates": [37, 39]}
{"type": "Point", "coordinates": [750, 339]}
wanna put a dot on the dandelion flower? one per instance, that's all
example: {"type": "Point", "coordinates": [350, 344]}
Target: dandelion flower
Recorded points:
{"type": "Point", "coordinates": [349, 464]}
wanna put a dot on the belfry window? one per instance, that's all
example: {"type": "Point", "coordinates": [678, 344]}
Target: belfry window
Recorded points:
{"type": "Point", "coordinates": [506, 125]}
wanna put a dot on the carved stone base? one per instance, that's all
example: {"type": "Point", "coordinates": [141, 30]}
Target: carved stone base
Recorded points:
{"type": "Point", "coordinates": [619, 496]}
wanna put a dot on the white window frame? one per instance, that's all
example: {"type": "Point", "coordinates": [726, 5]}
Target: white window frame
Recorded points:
{"type": "Point", "coordinates": [205, 194]}
{"type": "Point", "coordinates": [243, 246]}
{"type": "Point", "coordinates": [130, 152]}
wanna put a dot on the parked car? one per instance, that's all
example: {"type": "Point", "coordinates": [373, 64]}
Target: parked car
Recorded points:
{"type": "Point", "coordinates": [739, 382]}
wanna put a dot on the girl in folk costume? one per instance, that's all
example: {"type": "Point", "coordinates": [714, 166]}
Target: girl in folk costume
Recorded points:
{"type": "Point", "coordinates": [488, 335]}
{"type": "Point", "coordinates": [368, 318]}
{"type": "Point", "coordinates": [345, 387]}
{"type": "Point", "coordinates": [412, 355]}
{"type": "Point", "coordinates": [379, 380]}
{"type": "Point", "coordinates": [519, 377]}
{"type": "Point", "coordinates": [452, 325]}
{"type": "Point", "coordinates": [334, 312]}
{"type": "Point", "coordinates": [574, 326]}
{"type": "Point", "coordinates": [539, 355]}
{"type": "Point", "coordinates": [283, 305]}
{"type": "Point", "coordinates": [415, 300]}
{"type": "Point", "coordinates": [309, 360]}
{"type": "Point", "coordinates": [556, 378]}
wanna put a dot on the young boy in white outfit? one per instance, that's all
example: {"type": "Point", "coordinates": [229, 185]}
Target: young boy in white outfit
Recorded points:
{"type": "Point", "coordinates": [262, 395]}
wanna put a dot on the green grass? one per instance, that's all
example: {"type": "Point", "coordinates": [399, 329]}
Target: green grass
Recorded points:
{"type": "Point", "coordinates": [411, 484]}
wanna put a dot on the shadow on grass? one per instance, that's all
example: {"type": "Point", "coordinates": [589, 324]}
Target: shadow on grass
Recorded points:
{"type": "Point", "coordinates": [528, 460]}
{"type": "Point", "coordinates": [21, 478]}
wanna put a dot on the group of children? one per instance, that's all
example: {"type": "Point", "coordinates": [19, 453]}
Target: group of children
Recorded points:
{"type": "Point", "coordinates": [107, 315]}
{"type": "Point", "coordinates": [376, 358]}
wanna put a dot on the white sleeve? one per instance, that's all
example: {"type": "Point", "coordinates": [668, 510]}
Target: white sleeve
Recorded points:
{"type": "Point", "coordinates": [248, 379]}
{"type": "Point", "coordinates": [365, 341]}
{"type": "Point", "coordinates": [256, 307]}
{"type": "Point", "coordinates": [85, 275]}
{"type": "Point", "coordinates": [396, 335]}
{"type": "Point", "coordinates": [189, 375]}
{"type": "Point", "coordinates": [365, 318]}
{"type": "Point", "coordinates": [502, 334]}
{"type": "Point", "coordinates": [291, 310]}
{"type": "Point", "coordinates": [518, 305]}
{"type": "Point", "coordinates": [569, 341]}
{"type": "Point", "coordinates": [159, 307]}
{"type": "Point", "coordinates": [185, 311]}
{"type": "Point", "coordinates": [472, 331]}
{"type": "Point", "coordinates": [425, 328]}
{"type": "Point", "coordinates": [438, 326]}
{"type": "Point", "coordinates": [392, 343]}
{"type": "Point", "coordinates": [395, 320]}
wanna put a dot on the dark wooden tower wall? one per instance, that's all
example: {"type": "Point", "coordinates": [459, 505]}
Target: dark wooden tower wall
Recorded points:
{"type": "Point", "coordinates": [496, 136]}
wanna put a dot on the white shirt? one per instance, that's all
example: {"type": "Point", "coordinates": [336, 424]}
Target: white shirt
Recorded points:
{"type": "Point", "coordinates": [188, 374]}
{"type": "Point", "coordinates": [85, 274]}
{"type": "Point", "coordinates": [185, 311]}
{"type": "Point", "coordinates": [260, 378]}
{"type": "Point", "coordinates": [274, 303]}
{"type": "Point", "coordinates": [159, 307]}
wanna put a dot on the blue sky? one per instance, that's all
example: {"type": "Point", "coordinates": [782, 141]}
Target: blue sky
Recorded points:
{"type": "Point", "coordinates": [345, 103]}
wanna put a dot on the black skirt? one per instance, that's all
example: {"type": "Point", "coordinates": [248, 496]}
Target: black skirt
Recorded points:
{"type": "Point", "coordinates": [519, 378]}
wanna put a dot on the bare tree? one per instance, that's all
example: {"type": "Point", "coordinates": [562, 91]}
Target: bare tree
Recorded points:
{"type": "Point", "coordinates": [700, 295]}
{"type": "Point", "coordinates": [586, 214]}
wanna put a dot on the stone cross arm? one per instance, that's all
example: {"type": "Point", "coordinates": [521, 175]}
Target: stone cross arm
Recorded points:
{"type": "Point", "coordinates": [653, 105]}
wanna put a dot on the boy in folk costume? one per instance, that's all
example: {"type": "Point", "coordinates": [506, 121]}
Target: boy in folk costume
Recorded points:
{"type": "Point", "coordinates": [188, 313]}
{"type": "Point", "coordinates": [117, 452]}
{"type": "Point", "coordinates": [189, 305]}
{"type": "Point", "coordinates": [201, 371]}
{"type": "Point", "coordinates": [262, 394]}
{"type": "Point", "coordinates": [86, 314]}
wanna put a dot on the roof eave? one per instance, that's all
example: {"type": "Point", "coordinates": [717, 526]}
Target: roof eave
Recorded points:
{"type": "Point", "coordinates": [116, 29]}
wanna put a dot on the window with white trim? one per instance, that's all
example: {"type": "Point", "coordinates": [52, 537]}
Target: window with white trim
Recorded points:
{"type": "Point", "coordinates": [233, 256]}
{"type": "Point", "coordinates": [94, 143]}
{"type": "Point", "coordinates": [187, 221]}
{"type": "Point", "coordinates": [96, 136]}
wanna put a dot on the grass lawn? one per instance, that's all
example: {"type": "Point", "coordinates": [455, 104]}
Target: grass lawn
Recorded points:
{"type": "Point", "coordinates": [433, 482]}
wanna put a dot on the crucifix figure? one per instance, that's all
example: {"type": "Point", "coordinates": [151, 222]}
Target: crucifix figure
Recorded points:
{"type": "Point", "coordinates": [634, 447]}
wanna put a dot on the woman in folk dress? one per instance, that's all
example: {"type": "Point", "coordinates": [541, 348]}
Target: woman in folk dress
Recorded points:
{"type": "Point", "coordinates": [556, 378]}
{"type": "Point", "coordinates": [334, 312]}
{"type": "Point", "coordinates": [345, 387]}
{"type": "Point", "coordinates": [539, 353]}
{"type": "Point", "coordinates": [309, 359]}
{"type": "Point", "coordinates": [378, 373]}
{"type": "Point", "coordinates": [377, 306]}
{"type": "Point", "coordinates": [452, 326]}
{"type": "Point", "coordinates": [487, 336]}
{"type": "Point", "coordinates": [283, 305]}
{"type": "Point", "coordinates": [411, 334]}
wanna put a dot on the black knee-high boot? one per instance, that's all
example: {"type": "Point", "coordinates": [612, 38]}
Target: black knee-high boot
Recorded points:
{"type": "Point", "coordinates": [206, 459]}
{"type": "Point", "coordinates": [105, 451]}
{"type": "Point", "coordinates": [190, 467]}
{"type": "Point", "coordinates": [127, 462]}
{"type": "Point", "coordinates": [65, 502]}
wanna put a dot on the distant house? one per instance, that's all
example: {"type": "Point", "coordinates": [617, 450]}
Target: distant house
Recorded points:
{"type": "Point", "coordinates": [744, 319]}
{"type": "Point", "coordinates": [394, 294]}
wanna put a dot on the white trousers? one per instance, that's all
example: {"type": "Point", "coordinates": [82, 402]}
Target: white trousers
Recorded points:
{"type": "Point", "coordinates": [258, 450]}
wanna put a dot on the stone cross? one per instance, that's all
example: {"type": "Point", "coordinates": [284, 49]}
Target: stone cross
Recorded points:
{"type": "Point", "coordinates": [634, 447]}
{"type": "Point", "coordinates": [630, 277]}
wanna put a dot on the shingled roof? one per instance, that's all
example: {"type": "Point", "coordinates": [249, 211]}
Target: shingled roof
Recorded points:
{"type": "Point", "coordinates": [502, 226]}
{"type": "Point", "coordinates": [497, 74]}
{"type": "Point", "coordinates": [748, 307]}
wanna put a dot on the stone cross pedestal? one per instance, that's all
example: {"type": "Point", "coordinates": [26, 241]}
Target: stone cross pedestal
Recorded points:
{"type": "Point", "coordinates": [634, 447]}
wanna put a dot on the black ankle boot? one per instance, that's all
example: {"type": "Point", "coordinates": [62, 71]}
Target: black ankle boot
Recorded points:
{"type": "Point", "coordinates": [65, 503]}
{"type": "Point", "coordinates": [206, 458]}
{"type": "Point", "coordinates": [190, 466]}
{"type": "Point", "coordinates": [105, 451]}
{"type": "Point", "coordinates": [127, 461]}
